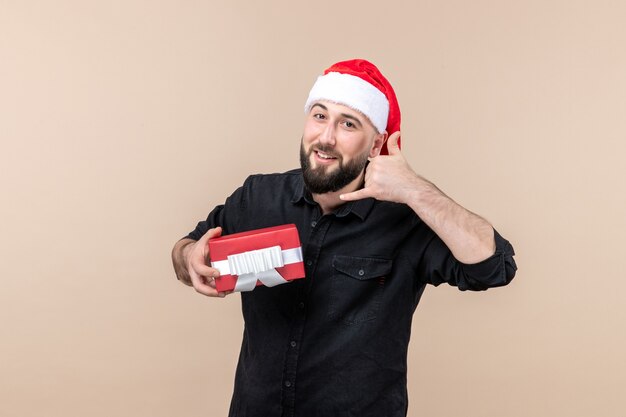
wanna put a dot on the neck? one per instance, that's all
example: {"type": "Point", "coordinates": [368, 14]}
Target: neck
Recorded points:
{"type": "Point", "coordinates": [329, 202]}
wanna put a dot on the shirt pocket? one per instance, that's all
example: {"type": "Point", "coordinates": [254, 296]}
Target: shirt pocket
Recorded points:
{"type": "Point", "coordinates": [356, 289]}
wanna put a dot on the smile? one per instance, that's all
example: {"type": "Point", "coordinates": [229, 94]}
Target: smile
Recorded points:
{"type": "Point", "coordinates": [324, 156]}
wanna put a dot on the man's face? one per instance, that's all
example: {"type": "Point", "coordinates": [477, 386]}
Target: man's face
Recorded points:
{"type": "Point", "coordinates": [336, 144]}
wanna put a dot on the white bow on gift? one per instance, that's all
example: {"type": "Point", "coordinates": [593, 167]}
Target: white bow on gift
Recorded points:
{"type": "Point", "coordinates": [258, 265]}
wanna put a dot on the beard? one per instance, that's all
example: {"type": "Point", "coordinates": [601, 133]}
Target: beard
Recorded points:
{"type": "Point", "coordinates": [319, 181]}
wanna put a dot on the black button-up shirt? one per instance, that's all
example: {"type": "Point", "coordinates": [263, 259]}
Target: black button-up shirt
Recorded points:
{"type": "Point", "coordinates": [335, 343]}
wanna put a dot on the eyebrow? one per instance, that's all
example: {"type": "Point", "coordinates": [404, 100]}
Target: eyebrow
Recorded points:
{"type": "Point", "coordinates": [345, 115]}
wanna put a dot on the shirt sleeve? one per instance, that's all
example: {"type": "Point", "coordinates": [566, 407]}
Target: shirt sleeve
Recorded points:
{"type": "Point", "coordinates": [439, 266]}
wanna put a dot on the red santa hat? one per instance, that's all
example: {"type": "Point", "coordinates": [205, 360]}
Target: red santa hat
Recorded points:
{"type": "Point", "coordinates": [358, 84]}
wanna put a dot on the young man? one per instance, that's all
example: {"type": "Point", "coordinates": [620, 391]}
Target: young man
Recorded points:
{"type": "Point", "coordinates": [373, 233]}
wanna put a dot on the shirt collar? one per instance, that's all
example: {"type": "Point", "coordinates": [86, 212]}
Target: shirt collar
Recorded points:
{"type": "Point", "coordinates": [359, 208]}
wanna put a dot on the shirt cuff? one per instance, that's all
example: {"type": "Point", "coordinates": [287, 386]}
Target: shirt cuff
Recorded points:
{"type": "Point", "coordinates": [497, 270]}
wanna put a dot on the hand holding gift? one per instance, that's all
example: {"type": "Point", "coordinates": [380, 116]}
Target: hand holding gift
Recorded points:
{"type": "Point", "coordinates": [197, 256]}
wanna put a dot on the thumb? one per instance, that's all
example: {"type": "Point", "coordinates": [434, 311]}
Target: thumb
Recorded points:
{"type": "Point", "coordinates": [212, 233]}
{"type": "Point", "coordinates": [393, 143]}
{"type": "Point", "coordinates": [204, 241]}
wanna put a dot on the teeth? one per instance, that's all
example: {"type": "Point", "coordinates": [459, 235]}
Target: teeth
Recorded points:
{"type": "Point", "coordinates": [324, 156]}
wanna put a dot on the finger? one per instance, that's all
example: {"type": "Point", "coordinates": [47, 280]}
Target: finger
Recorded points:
{"type": "Point", "coordinates": [198, 260]}
{"type": "Point", "coordinates": [205, 270]}
{"type": "Point", "coordinates": [203, 245]}
{"type": "Point", "coordinates": [393, 143]}
{"type": "Point", "coordinates": [211, 234]}
{"type": "Point", "coordinates": [223, 294]}
{"type": "Point", "coordinates": [207, 287]}
{"type": "Point", "coordinates": [201, 285]}
{"type": "Point", "coordinates": [356, 195]}
{"type": "Point", "coordinates": [215, 232]}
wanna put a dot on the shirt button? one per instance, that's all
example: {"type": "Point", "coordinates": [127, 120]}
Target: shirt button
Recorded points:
{"type": "Point", "coordinates": [313, 223]}
{"type": "Point", "coordinates": [287, 384]}
{"type": "Point", "coordinates": [301, 305]}
{"type": "Point", "coordinates": [293, 343]}
{"type": "Point", "coordinates": [361, 272]}
{"type": "Point", "coordinates": [309, 262]}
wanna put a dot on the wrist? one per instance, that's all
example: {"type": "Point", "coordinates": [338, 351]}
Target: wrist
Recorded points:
{"type": "Point", "coordinates": [427, 200]}
{"type": "Point", "coordinates": [181, 260]}
{"type": "Point", "coordinates": [419, 191]}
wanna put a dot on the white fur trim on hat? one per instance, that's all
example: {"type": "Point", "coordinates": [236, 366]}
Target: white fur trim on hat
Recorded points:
{"type": "Point", "coordinates": [353, 92]}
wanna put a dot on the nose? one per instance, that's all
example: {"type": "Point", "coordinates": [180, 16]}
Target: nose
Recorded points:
{"type": "Point", "coordinates": [327, 136]}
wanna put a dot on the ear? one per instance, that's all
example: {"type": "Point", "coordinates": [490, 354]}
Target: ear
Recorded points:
{"type": "Point", "coordinates": [379, 141]}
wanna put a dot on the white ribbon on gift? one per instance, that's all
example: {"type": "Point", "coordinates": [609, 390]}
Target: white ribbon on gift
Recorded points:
{"type": "Point", "coordinates": [258, 265]}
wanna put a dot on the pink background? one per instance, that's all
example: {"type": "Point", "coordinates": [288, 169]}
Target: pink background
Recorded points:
{"type": "Point", "coordinates": [122, 123]}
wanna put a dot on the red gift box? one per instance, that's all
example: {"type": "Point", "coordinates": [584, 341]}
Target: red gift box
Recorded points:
{"type": "Point", "coordinates": [269, 257]}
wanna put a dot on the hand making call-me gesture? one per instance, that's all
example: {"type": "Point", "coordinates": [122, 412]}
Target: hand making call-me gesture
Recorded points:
{"type": "Point", "coordinates": [387, 177]}
{"type": "Point", "coordinates": [391, 178]}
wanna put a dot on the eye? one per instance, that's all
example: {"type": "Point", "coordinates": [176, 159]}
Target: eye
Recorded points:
{"type": "Point", "coordinates": [319, 116]}
{"type": "Point", "coordinates": [349, 124]}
